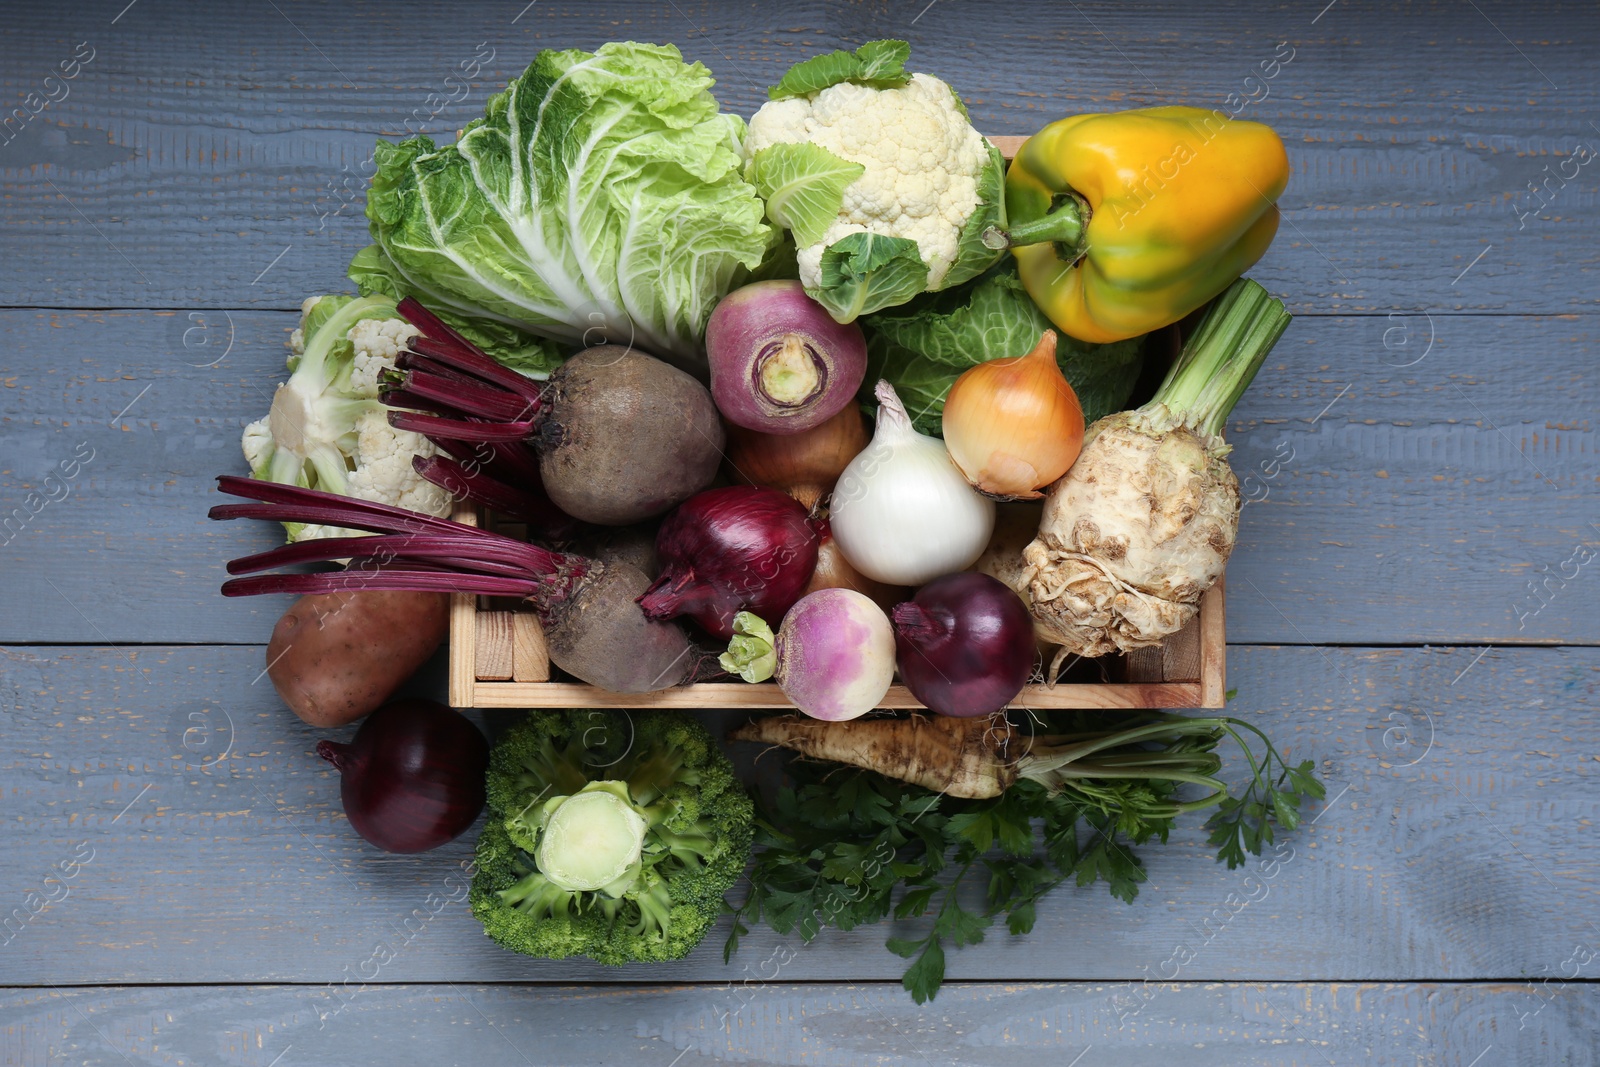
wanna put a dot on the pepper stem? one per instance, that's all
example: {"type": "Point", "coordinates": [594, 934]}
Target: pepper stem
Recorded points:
{"type": "Point", "coordinates": [1218, 363]}
{"type": "Point", "coordinates": [1063, 224]}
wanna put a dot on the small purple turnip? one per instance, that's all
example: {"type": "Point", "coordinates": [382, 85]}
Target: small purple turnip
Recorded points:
{"type": "Point", "coordinates": [779, 362]}
{"type": "Point", "coordinates": [835, 654]}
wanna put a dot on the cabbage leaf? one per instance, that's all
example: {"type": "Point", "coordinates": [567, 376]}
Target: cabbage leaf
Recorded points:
{"type": "Point", "coordinates": [600, 198]}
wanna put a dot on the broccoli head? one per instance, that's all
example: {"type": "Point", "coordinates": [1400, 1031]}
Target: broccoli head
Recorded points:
{"type": "Point", "coordinates": [609, 836]}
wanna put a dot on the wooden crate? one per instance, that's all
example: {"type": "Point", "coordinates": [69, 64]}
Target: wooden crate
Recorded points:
{"type": "Point", "coordinates": [498, 660]}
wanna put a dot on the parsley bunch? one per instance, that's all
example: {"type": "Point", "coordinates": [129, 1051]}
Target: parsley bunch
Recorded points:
{"type": "Point", "coordinates": [845, 846]}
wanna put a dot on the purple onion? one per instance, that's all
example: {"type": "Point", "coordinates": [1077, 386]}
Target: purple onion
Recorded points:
{"type": "Point", "coordinates": [739, 548]}
{"type": "Point", "coordinates": [412, 777]}
{"type": "Point", "coordinates": [965, 644]}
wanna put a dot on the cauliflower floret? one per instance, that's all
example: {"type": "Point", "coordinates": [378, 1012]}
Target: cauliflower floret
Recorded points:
{"type": "Point", "coordinates": [923, 162]}
{"type": "Point", "coordinates": [258, 443]}
{"type": "Point", "coordinates": [378, 342]}
{"type": "Point", "coordinates": [383, 471]}
{"type": "Point", "coordinates": [297, 336]}
{"type": "Point", "coordinates": [329, 430]}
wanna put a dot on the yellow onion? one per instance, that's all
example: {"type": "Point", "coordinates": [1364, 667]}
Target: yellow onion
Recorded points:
{"type": "Point", "coordinates": [1013, 425]}
{"type": "Point", "coordinates": [806, 464]}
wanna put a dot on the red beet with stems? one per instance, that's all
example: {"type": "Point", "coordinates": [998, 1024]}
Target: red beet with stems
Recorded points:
{"type": "Point", "coordinates": [595, 629]}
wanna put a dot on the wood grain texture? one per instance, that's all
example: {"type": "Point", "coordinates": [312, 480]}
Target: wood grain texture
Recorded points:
{"type": "Point", "coordinates": [530, 652]}
{"type": "Point", "coordinates": [1419, 471]}
{"type": "Point", "coordinates": [1453, 845]}
{"type": "Point", "coordinates": [1391, 504]}
{"type": "Point", "coordinates": [493, 649]}
{"type": "Point", "coordinates": [206, 158]}
{"type": "Point", "coordinates": [796, 1025]}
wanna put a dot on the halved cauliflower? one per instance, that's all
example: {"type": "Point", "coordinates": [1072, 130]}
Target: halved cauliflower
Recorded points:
{"type": "Point", "coordinates": [327, 429]}
{"type": "Point", "coordinates": [880, 177]}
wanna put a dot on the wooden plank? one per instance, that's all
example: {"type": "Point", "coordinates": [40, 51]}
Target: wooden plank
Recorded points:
{"type": "Point", "coordinates": [1207, 653]}
{"type": "Point", "coordinates": [530, 656]}
{"type": "Point", "coordinates": [1459, 781]}
{"type": "Point", "coordinates": [780, 1022]}
{"type": "Point", "coordinates": [463, 646]}
{"type": "Point", "coordinates": [1389, 504]}
{"type": "Point", "coordinates": [491, 658]}
{"type": "Point", "coordinates": [232, 175]}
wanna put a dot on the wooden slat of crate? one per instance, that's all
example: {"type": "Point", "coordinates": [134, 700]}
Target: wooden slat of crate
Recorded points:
{"type": "Point", "coordinates": [1184, 672]}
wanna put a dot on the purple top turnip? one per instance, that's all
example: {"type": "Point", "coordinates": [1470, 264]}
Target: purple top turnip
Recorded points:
{"type": "Point", "coordinates": [779, 362]}
{"type": "Point", "coordinates": [833, 656]}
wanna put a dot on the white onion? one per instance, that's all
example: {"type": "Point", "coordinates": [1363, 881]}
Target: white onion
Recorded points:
{"type": "Point", "coordinates": [902, 512]}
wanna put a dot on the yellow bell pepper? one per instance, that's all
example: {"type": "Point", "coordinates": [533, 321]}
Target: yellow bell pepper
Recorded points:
{"type": "Point", "coordinates": [1124, 222]}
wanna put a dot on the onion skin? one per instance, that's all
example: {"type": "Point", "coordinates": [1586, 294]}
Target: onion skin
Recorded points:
{"type": "Point", "coordinates": [835, 655]}
{"type": "Point", "coordinates": [412, 778]}
{"type": "Point", "coordinates": [805, 465]}
{"type": "Point", "coordinates": [903, 512]}
{"type": "Point", "coordinates": [1014, 425]}
{"type": "Point", "coordinates": [738, 548]}
{"type": "Point", "coordinates": [779, 362]}
{"type": "Point", "coordinates": [964, 644]}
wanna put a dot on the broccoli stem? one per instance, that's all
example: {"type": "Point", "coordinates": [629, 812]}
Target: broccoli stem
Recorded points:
{"type": "Point", "coordinates": [1220, 360]}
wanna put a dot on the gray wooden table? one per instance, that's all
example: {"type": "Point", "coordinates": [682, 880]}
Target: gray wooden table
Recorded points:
{"type": "Point", "coordinates": [1412, 603]}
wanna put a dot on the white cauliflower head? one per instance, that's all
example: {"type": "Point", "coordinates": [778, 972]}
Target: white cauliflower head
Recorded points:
{"type": "Point", "coordinates": [328, 429]}
{"type": "Point", "coordinates": [923, 163]}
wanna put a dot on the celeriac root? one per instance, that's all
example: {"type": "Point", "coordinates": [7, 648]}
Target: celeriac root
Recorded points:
{"type": "Point", "coordinates": [1133, 535]}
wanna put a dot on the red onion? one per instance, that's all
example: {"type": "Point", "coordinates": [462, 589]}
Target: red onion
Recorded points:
{"type": "Point", "coordinates": [779, 362]}
{"type": "Point", "coordinates": [740, 548]}
{"type": "Point", "coordinates": [412, 778]}
{"type": "Point", "coordinates": [964, 644]}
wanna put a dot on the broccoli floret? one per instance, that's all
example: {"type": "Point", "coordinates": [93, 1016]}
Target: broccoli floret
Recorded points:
{"type": "Point", "coordinates": [660, 891]}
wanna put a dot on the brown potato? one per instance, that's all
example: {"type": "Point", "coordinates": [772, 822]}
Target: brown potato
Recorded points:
{"type": "Point", "coordinates": [334, 657]}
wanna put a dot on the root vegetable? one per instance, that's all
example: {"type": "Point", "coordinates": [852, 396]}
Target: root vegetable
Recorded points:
{"type": "Point", "coordinates": [619, 435]}
{"type": "Point", "coordinates": [804, 465]}
{"type": "Point", "coordinates": [1016, 524]}
{"type": "Point", "coordinates": [1144, 522]}
{"type": "Point", "coordinates": [902, 512]}
{"type": "Point", "coordinates": [334, 657]}
{"type": "Point", "coordinates": [964, 644]}
{"type": "Point", "coordinates": [833, 656]}
{"type": "Point", "coordinates": [779, 362]}
{"type": "Point", "coordinates": [1013, 426]}
{"type": "Point", "coordinates": [412, 778]}
{"type": "Point", "coordinates": [833, 571]}
{"type": "Point", "coordinates": [628, 436]}
{"type": "Point", "coordinates": [980, 758]}
{"type": "Point", "coordinates": [594, 627]}
{"type": "Point", "coordinates": [635, 545]}
{"type": "Point", "coordinates": [957, 757]}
